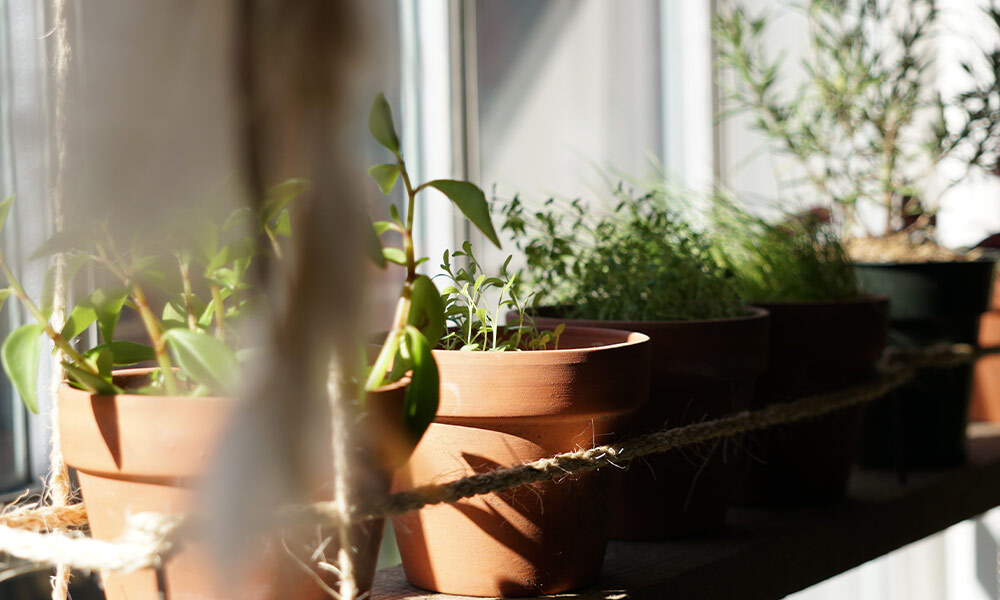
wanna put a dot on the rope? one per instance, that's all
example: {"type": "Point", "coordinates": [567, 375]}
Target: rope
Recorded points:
{"type": "Point", "coordinates": [58, 485]}
{"type": "Point", "coordinates": [149, 537]}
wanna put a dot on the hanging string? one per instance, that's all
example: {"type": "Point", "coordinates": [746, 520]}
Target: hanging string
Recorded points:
{"type": "Point", "coordinates": [58, 490]}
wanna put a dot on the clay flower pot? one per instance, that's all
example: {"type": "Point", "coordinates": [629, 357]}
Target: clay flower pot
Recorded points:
{"type": "Point", "coordinates": [816, 347]}
{"type": "Point", "coordinates": [923, 423]}
{"type": "Point", "coordinates": [501, 409]}
{"type": "Point", "coordinates": [986, 386]}
{"type": "Point", "coordinates": [701, 370]}
{"type": "Point", "coordinates": [136, 453]}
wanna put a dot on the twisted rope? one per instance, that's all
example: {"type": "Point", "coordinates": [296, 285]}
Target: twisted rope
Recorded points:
{"type": "Point", "coordinates": [150, 538]}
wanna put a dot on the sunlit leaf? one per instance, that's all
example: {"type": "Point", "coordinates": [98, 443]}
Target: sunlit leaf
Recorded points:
{"type": "Point", "coordinates": [381, 126]}
{"type": "Point", "coordinates": [125, 353]}
{"type": "Point", "coordinates": [19, 355]}
{"type": "Point", "coordinates": [204, 358]}
{"type": "Point", "coordinates": [374, 246]}
{"type": "Point", "coordinates": [89, 381]}
{"type": "Point", "coordinates": [394, 255]}
{"type": "Point", "coordinates": [385, 176]}
{"type": "Point", "coordinates": [472, 202]}
{"type": "Point", "coordinates": [5, 205]}
{"type": "Point", "coordinates": [426, 309]}
{"type": "Point", "coordinates": [422, 393]}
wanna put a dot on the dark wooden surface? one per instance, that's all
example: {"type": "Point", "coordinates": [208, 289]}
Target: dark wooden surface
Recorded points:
{"type": "Point", "coordinates": [766, 554]}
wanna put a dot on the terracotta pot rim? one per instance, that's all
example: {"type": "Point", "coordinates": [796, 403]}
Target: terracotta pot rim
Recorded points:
{"type": "Point", "coordinates": [632, 338]}
{"type": "Point", "coordinates": [863, 299]}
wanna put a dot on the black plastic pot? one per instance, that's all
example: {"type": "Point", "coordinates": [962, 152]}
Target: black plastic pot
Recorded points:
{"type": "Point", "coordinates": [922, 424]}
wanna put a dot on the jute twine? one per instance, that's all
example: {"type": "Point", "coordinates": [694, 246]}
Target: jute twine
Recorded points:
{"type": "Point", "coordinates": [150, 538]}
{"type": "Point", "coordinates": [58, 488]}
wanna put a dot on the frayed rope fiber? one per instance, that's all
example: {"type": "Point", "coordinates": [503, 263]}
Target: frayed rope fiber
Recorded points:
{"type": "Point", "coordinates": [149, 537]}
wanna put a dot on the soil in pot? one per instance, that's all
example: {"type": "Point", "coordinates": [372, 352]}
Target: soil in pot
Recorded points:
{"type": "Point", "coordinates": [136, 453]}
{"type": "Point", "coordinates": [500, 409]}
{"type": "Point", "coordinates": [815, 348]}
{"type": "Point", "coordinates": [986, 388]}
{"type": "Point", "coordinates": [922, 424]}
{"type": "Point", "coordinates": [701, 370]}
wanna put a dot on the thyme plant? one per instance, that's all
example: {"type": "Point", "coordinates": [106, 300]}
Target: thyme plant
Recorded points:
{"type": "Point", "coordinates": [866, 127]}
{"type": "Point", "coordinates": [474, 323]}
{"type": "Point", "coordinates": [187, 294]}
{"type": "Point", "coordinates": [640, 262]}
{"type": "Point", "coordinates": [797, 259]}
{"type": "Point", "coordinates": [419, 320]}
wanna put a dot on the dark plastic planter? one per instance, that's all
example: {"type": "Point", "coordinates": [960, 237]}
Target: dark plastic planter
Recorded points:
{"type": "Point", "coordinates": [701, 370]}
{"type": "Point", "coordinates": [922, 425]}
{"type": "Point", "coordinates": [816, 347]}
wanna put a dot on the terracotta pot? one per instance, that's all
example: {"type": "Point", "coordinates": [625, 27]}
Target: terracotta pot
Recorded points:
{"type": "Point", "coordinates": [986, 384]}
{"type": "Point", "coordinates": [701, 370]}
{"type": "Point", "coordinates": [816, 347]}
{"type": "Point", "coordinates": [923, 423]}
{"type": "Point", "coordinates": [500, 409]}
{"type": "Point", "coordinates": [136, 453]}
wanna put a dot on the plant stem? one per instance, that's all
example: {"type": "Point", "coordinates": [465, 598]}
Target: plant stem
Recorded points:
{"type": "Point", "coordinates": [149, 320]}
{"type": "Point", "coordinates": [274, 242]}
{"type": "Point", "coordinates": [185, 268]}
{"type": "Point", "coordinates": [156, 337]}
{"type": "Point", "coordinates": [220, 313]}
{"type": "Point", "coordinates": [57, 338]}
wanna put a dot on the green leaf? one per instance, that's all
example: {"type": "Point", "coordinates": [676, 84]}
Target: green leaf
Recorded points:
{"type": "Point", "coordinates": [4, 294]}
{"type": "Point", "coordinates": [124, 352]}
{"type": "Point", "coordinates": [283, 226]}
{"type": "Point", "coordinates": [5, 205]}
{"type": "Point", "coordinates": [374, 246]}
{"type": "Point", "coordinates": [71, 238]}
{"type": "Point", "coordinates": [385, 176]}
{"type": "Point", "coordinates": [79, 320]}
{"type": "Point", "coordinates": [90, 382]}
{"type": "Point", "coordinates": [421, 402]}
{"type": "Point", "coordinates": [204, 359]}
{"type": "Point", "coordinates": [426, 309]}
{"type": "Point", "coordinates": [19, 354]}
{"type": "Point", "coordinates": [276, 198]}
{"type": "Point", "coordinates": [48, 292]}
{"type": "Point", "coordinates": [472, 202]}
{"type": "Point", "coordinates": [380, 124]}
{"type": "Point", "coordinates": [394, 255]}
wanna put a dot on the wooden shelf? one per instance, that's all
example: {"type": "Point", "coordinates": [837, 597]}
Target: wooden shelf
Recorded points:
{"type": "Point", "coordinates": [767, 554]}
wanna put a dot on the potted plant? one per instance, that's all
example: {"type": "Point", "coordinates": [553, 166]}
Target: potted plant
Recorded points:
{"type": "Point", "coordinates": [642, 268]}
{"type": "Point", "coordinates": [866, 132]}
{"type": "Point", "coordinates": [986, 386]}
{"type": "Point", "coordinates": [139, 438]}
{"type": "Point", "coordinates": [510, 395]}
{"type": "Point", "coordinates": [825, 335]}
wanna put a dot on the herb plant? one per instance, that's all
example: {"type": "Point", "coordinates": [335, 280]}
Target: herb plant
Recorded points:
{"type": "Point", "coordinates": [640, 262]}
{"type": "Point", "coordinates": [419, 321]}
{"type": "Point", "coordinates": [476, 325]}
{"type": "Point", "coordinates": [798, 259]}
{"type": "Point", "coordinates": [866, 127]}
{"type": "Point", "coordinates": [188, 293]}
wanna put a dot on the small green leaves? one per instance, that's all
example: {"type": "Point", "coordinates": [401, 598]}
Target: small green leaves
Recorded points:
{"type": "Point", "coordinates": [385, 176]}
{"type": "Point", "coordinates": [276, 198]}
{"type": "Point", "coordinates": [204, 358]}
{"type": "Point", "coordinates": [380, 124]}
{"type": "Point", "coordinates": [472, 202]}
{"type": "Point", "coordinates": [5, 205]}
{"type": "Point", "coordinates": [19, 355]}
{"type": "Point", "coordinates": [373, 245]}
{"type": "Point", "coordinates": [421, 403]}
{"type": "Point", "coordinates": [124, 352]}
{"type": "Point", "coordinates": [394, 255]}
{"type": "Point", "coordinates": [426, 309]}
{"type": "Point", "coordinates": [89, 381]}
{"type": "Point", "coordinates": [103, 306]}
